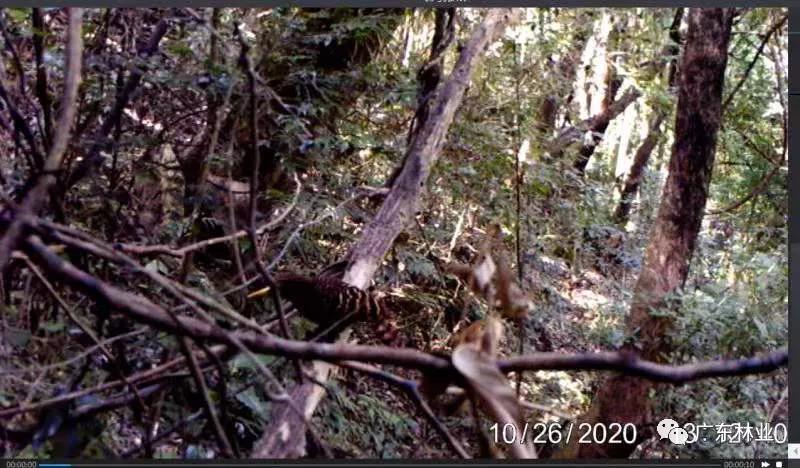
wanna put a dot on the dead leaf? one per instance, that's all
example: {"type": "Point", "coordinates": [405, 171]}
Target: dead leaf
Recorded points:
{"type": "Point", "coordinates": [514, 304]}
{"type": "Point", "coordinates": [493, 391]}
{"type": "Point", "coordinates": [470, 334]}
{"type": "Point", "coordinates": [491, 336]}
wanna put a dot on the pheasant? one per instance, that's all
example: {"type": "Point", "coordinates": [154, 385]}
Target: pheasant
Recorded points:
{"type": "Point", "coordinates": [333, 304]}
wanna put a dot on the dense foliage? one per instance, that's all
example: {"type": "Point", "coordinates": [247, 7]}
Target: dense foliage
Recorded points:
{"type": "Point", "coordinates": [168, 161]}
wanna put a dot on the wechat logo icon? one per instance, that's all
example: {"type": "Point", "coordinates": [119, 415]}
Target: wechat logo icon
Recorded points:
{"type": "Point", "coordinates": [670, 429]}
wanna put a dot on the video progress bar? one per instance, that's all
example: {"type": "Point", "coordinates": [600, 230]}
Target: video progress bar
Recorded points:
{"type": "Point", "coordinates": [352, 463]}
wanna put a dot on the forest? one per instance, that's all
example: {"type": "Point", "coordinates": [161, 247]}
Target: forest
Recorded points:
{"type": "Point", "coordinates": [393, 233]}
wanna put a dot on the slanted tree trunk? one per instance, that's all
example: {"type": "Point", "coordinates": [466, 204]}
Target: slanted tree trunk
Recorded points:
{"type": "Point", "coordinates": [636, 172]}
{"type": "Point", "coordinates": [626, 399]}
{"type": "Point", "coordinates": [596, 124]}
{"type": "Point", "coordinates": [286, 435]}
{"type": "Point", "coordinates": [401, 203]}
{"type": "Point", "coordinates": [599, 129]}
{"type": "Point", "coordinates": [642, 156]}
{"type": "Point", "coordinates": [603, 84]}
{"type": "Point", "coordinates": [429, 76]}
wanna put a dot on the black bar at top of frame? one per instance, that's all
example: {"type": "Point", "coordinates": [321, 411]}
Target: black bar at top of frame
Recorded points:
{"type": "Point", "coordinates": [403, 3]}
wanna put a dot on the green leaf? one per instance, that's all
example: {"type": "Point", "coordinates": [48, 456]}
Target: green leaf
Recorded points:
{"type": "Point", "coordinates": [243, 362]}
{"type": "Point", "coordinates": [250, 399]}
{"type": "Point", "coordinates": [52, 327]}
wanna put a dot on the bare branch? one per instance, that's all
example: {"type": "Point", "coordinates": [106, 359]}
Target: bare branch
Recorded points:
{"type": "Point", "coordinates": [94, 157]}
{"type": "Point", "coordinates": [752, 64]}
{"type": "Point", "coordinates": [141, 309]}
{"type": "Point", "coordinates": [632, 365]}
{"type": "Point", "coordinates": [36, 197]}
{"type": "Point", "coordinates": [411, 389]}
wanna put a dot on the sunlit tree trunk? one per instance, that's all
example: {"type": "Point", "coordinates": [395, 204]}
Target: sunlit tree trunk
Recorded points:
{"type": "Point", "coordinates": [591, 75]}
{"type": "Point", "coordinates": [285, 436]}
{"type": "Point", "coordinates": [640, 160]}
{"type": "Point", "coordinates": [634, 178]}
{"type": "Point", "coordinates": [625, 399]}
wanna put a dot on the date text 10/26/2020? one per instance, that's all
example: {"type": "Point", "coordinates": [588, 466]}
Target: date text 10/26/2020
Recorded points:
{"type": "Point", "coordinates": [617, 433]}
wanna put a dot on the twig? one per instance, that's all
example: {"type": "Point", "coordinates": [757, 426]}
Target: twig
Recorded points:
{"type": "Point", "coordinates": [82, 355]}
{"type": "Point", "coordinates": [182, 251]}
{"type": "Point", "coordinates": [752, 64]}
{"type": "Point", "coordinates": [518, 177]}
{"type": "Point", "coordinates": [247, 68]}
{"type": "Point", "coordinates": [178, 324]}
{"type": "Point", "coordinates": [222, 438]}
{"type": "Point", "coordinates": [93, 157]}
{"type": "Point", "coordinates": [141, 309]}
{"type": "Point", "coordinates": [83, 241]}
{"type": "Point", "coordinates": [74, 317]}
{"type": "Point", "coordinates": [411, 389]}
{"type": "Point", "coordinates": [21, 125]}
{"type": "Point", "coordinates": [36, 197]}
{"type": "Point", "coordinates": [41, 74]}
{"type": "Point", "coordinates": [147, 376]}
{"type": "Point", "coordinates": [760, 187]}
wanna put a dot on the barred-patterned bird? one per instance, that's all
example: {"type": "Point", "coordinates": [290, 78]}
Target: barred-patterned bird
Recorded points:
{"type": "Point", "coordinates": [326, 300]}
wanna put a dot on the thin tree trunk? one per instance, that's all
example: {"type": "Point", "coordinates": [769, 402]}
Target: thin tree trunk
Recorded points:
{"type": "Point", "coordinates": [599, 129]}
{"type": "Point", "coordinates": [401, 203]}
{"type": "Point", "coordinates": [286, 435]}
{"type": "Point", "coordinates": [634, 178]}
{"type": "Point", "coordinates": [642, 156]}
{"type": "Point", "coordinates": [624, 399]}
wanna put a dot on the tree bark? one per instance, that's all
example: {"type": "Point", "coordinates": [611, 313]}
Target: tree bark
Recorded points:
{"type": "Point", "coordinates": [401, 203]}
{"type": "Point", "coordinates": [634, 178]}
{"type": "Point", "coordinates": [286, 435]}
{"type": "Point", "coordinates": [599, 129]}
{"type": "Point", "coordinates": [624, 399]}
{"type": "Point", "coordinates": [642, 156]}
{"type": "Point", "coordinates": [596, 124]}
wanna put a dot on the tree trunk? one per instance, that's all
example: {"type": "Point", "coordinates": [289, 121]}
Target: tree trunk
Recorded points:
{"type": "Point", "coordinates": [589, 86]}
{"type": "Point", "coordinates": [626, 399]}
{"type": "Point", "coordinates": [599, 130]}
{"type": "Point", "coordinates": [642, 156]}
{"type": "Point", "coordinates": [401, 203]}
{"type": "Point", "coordinates": [286, 435]}
{"type": "Point", "coordinates": [429, 76]}
{"type": "Point", "coordinates": [634, 178]}
{"type": "Point", "coordinates": [596, 125]}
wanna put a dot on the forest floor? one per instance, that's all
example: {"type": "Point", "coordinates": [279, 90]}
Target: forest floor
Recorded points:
{"type": "Point", "coordinates": [575, 311]}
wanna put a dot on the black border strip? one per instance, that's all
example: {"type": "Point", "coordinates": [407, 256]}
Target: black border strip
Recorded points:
{"type": "Point", "coordinates": [405, 3]}
{"type": "Point", "coordinates": [589, 463]}
{"type": "Point", "coordinates": [793, 179]}
{"type": "Point", "coordinates": [794, 224]}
